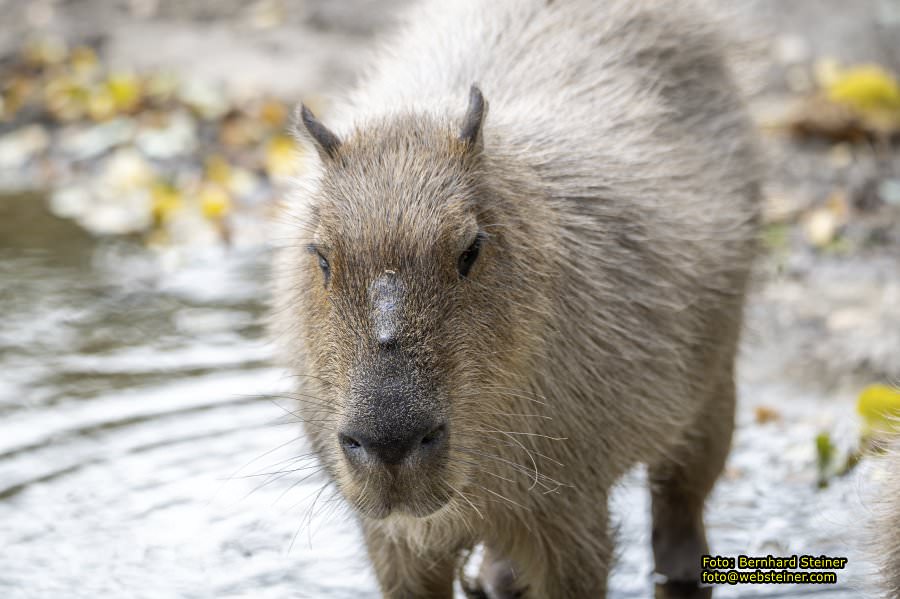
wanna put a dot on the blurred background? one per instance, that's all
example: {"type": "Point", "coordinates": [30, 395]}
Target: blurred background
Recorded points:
{"type": "Point", "coordinates": [144, 448]}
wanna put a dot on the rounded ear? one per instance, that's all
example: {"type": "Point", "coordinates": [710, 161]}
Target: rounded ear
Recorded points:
{"type": "Point", "coordinates": [470, 132]}
{"type": "Point", "coordinates": [307, 128]}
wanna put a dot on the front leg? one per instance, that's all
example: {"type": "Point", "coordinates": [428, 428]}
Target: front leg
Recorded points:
{"type": "Point", "coordinates": [579, 556]}
{"type": "Point", "coordinates": [407, 571]}
{"type": "Point", "coordinates": [561, 553]}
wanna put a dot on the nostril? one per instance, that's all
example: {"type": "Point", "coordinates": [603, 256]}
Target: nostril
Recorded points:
{"type": "Point", "coordinates": [349, 442]}
{"type": "Point", "coordinates": [434, 436]}
{"type": "Point", "coordinates": [387, 340]}
{"type": "Point", "coordinates": [361, 448]}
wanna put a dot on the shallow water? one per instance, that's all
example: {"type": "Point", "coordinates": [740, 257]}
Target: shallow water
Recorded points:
{"type": "Point", "coordinates": [139, 417]}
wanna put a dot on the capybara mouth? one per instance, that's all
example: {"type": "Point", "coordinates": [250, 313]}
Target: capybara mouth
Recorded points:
{"type": "Point", "coordinates": [383, 494]}
{"type": "Point", "coordinates": [378, 509]}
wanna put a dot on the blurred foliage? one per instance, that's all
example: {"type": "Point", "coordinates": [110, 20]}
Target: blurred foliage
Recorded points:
{"type": "Point", "coordinates": [128, 152]}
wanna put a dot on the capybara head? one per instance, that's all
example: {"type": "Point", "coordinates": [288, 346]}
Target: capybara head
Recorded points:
{"type": "Point", "coordinates": [403, 308]}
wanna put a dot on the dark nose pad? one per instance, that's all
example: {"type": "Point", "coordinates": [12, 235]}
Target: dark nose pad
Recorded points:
{"type": "Point", "coordinates": [391, 449]}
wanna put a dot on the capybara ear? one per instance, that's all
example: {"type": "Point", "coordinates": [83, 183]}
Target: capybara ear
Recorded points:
{"type": "Point", "coordinates": [470, 133]}
{"type": "Point", "coordinates": [307, 128]}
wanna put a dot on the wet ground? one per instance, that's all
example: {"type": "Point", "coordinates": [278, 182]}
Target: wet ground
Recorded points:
{"type": "Point", "coordinates": [140, 420]}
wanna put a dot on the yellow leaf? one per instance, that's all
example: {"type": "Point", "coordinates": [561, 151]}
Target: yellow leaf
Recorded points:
{"type": "Point", "coordinates": [281, 156]}
{"type": "Point", "coordinates": [866, 88]}
{"type": "Point", "coordinates": [125, 90]}
{"type": "Point", "coordinates": [45, 51]}
{"type": "Point", "coordinates": [65, 98]}
{"type": "Point", "coordinates": [879, 406]}
{"type": "Point", "coordinates": [273, 113]}
{"type": "Point", "coordinates": [166, 202]}
{"type": "Point", "coordinates": [214, 201]}
{"type": "Point", "coordinates": [218, 170]}
{"type": "Point", "coordinates": [101, 105]}
{"type": "Point", "coordinates": [84, 60]}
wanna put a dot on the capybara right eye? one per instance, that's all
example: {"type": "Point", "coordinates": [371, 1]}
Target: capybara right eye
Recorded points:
{"type": "Point", "coordinates": [325, 268]}
{"type": "Point", "coordinates": [468, 257]}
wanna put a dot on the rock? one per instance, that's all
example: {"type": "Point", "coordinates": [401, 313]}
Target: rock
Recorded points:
{"type": "Point", "coordinates": [177, 137]}
{"type": "Point", "coordinates": [19, 147]}
{"type": "Point", "coordinates": [87, 143]}
{"type": "Point", "coordinates": [820, 227]}
{"type": "Point", "coordinates": [206, 100]}
{"type": "Point", "coordinates": [889, 191]}
{"type": "Point", "coordinates": [70, 201]}
{"type": "Point", "coordinates": [118, 214]}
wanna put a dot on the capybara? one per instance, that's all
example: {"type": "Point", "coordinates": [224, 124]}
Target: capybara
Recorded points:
{"type": "Point", "coordinates": [517, 266]}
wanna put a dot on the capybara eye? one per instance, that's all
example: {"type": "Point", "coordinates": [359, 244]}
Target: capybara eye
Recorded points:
{"type": "Point", "coordinates": [323, 261]}
{"type": "Point", "coordinates": [468, 257]}
{"type": "Point", "coordinates": [326, 268]}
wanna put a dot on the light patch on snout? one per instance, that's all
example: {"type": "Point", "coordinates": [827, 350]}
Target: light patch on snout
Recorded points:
{"type": "Point", "coordinates": [387, 293]}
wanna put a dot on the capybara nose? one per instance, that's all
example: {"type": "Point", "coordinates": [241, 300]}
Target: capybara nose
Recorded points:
{"type": "Point", "coordinates": [394, 446]}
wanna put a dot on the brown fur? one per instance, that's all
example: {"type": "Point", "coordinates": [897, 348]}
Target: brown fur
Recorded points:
{"type": "Point", "coordinates": [615, 186]}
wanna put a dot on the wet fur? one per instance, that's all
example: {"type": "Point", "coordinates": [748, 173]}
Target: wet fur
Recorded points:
{"type": "Point", "coordinates": [617, 184]}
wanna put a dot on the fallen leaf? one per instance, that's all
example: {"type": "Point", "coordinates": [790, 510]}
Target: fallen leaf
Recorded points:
{"type": "Point", "coordinates": [217, 169]}
{"type": "Point", "coordinates": [865, 88]}
{"type": "Point", "coordinates": [83, 60]}
{"type": "Point", "coordinates": [45, 51]}
{"type": "Point", "coordinates": [214, 201]}
{"type": "Point", "coordinates": [65, 98]}
{"type": "Point", "coordinates": [167, 202]}
{"type": "Point", "coordinates": [273, 113]}
{"type": "Point", "coordinates": [125, 90]}
{"type": "Point", "coordinates": [101, 105]}
{"type": "Point", "coordinates": [281, 156]}
{"type": "Point", "coordinates": [879, 406]}
{"type": "Point", "coordinates": [765, 414]}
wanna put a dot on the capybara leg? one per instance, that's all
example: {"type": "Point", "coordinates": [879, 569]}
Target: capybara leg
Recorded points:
{"type": "Point", "coordinates": [679, 486]}
{"type": "Point", "coordinates": [575, 559]}
{"type": "Point", "coordinates": [407, 573]}
{"type": "Point", "coordinates": [497, 578]}
{"type": "Point", "coordinates": [682, 590]}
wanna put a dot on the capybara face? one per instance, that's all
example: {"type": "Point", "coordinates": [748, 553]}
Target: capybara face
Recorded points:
{"type": "Point", "coordinates": [399, 318]}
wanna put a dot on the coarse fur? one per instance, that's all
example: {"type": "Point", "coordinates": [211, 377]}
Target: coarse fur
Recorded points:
{"type": "Point", "coordinates": [887, 526]}
{"type": "Point", "coordinates": [615, 188]}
